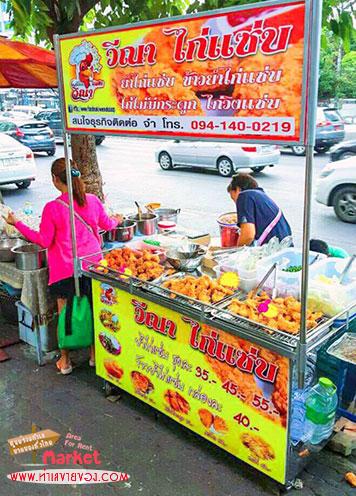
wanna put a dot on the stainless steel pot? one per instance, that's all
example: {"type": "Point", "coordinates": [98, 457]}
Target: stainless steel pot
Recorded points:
{"type": "Point", "coordinates": [146, 225]}
{"type": "Point", "coordinates": [30, 257]}
{"type": "Point", "coordinates": [124, 232]}
{"type": "Point", "coordinates": [6, 245]}
{"type": "Point", "coordinates": [170, 214]}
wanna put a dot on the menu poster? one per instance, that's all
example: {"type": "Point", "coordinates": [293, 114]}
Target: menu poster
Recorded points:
{"type": "Point", "coordinates": [228, 390]}
{"type": "Point", "coordinates": [231, 74]}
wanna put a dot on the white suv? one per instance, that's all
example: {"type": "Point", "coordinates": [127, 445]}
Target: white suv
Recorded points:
{"type": "Point", "coordinates": [336, 188]}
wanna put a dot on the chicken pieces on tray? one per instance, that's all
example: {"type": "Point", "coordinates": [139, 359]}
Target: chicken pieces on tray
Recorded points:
{"type": "Point", "coordinates": [143, 264]}
{"type": "Point", "coordinates": [202, 288]}
{"type": "Point", "coordinates": [286, 318]}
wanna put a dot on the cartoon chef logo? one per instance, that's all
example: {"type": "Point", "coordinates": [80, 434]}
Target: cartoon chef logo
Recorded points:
{"type": "Point", "coordinates": [108, 295]}
{"type": "Point", "coordinates": [86, 59]}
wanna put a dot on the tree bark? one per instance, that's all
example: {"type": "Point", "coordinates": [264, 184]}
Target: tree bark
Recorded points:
{"type": "Point", "coordinates": [83, 146]}
{"type": "Point", "coordinates": [84, 154]}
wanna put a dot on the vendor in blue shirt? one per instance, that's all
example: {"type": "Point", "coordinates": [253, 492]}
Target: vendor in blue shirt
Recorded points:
{"type": "Point", "coordinates": [258, 217]}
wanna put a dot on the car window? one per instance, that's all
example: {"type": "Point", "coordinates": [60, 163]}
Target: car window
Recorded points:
{"type": "Point", "coordinates": [6, 126]}
{"type": "Point", "coordinates": [332, 115]}
{"type": "Point", "coordinates": [41, 115]}
{"type": "Point", "coordinates": [34, 125]}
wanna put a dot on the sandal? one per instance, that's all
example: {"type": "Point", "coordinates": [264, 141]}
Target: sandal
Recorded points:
{"type": "Point", "coordinates": [64, 371]}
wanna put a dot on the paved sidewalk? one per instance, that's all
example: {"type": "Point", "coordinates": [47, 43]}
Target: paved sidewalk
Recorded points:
{"type": "Point", "coordinates": [162, 458]}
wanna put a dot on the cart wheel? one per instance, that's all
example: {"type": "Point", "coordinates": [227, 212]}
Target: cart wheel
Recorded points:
{"type": "Point", "coordinates": [294, 484]}
{"type": "Point", "coordinates": [110, 389]}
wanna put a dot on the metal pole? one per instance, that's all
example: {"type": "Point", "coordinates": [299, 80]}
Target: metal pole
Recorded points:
{"type": "Point", "coordinates": [314, 30]}
{"type": "Point", "coordinates": [71, 213]}
{"type": "Point", "coordinates": [68, 166]}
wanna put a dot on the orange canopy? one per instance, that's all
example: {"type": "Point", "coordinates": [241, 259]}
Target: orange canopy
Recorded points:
{"type": "Point", "coordinates": [26, 66]}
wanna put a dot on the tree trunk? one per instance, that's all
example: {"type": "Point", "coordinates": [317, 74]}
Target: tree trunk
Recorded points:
{"type": "Point", "coordinates": [84, 154]}
{"type": "Point", "coordinates": [83, 146]}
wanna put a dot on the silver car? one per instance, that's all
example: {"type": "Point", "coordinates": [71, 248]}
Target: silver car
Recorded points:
{"type": "Point", "coordinates": [226, 158]}
{"type": "Point", "coordinates": [17, 165]}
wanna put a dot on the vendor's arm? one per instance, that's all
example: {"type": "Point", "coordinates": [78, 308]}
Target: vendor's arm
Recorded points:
{"type": "Point", "coordinates": [105, 222]}
{"type": "Point", "coordinates": [45, 236]}
{"type": "Point", "coordinates": [247, 234]}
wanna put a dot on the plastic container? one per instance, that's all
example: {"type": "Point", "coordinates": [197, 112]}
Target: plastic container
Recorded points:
{"type": "Point", "coordinates": [229, 236]}
{"type": "Point", "coordinates": [298, 431]}
{"type": "Point", "coordinates": [166, 226]}
{"type": "Point", "coordinates": [48, 334]}
{"type": "Point", "coordinates": [248, 279]}
{"type": "Point", "coordinates": [321, 404]}
{"type": "Point", "coordinates": [326, 294]}
{"type": "Point", "coordinates": [229, 233]}
{"type": "Point", "coordinates": [287, 283]}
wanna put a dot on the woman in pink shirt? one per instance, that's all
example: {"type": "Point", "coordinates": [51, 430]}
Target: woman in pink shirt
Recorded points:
{"type": "Point", "coordinates": [55, 235]}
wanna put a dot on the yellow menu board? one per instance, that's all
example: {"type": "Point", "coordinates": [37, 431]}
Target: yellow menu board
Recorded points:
{"type": "Point", "coordinates": [228, 390]}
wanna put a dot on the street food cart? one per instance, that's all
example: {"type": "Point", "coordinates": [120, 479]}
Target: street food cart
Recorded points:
{"type": "Point", "coordinates": [243, 74]}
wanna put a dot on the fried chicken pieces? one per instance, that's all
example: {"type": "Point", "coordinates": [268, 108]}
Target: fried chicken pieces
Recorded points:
{"type": "Point", "coordinates": [202, 288]}
{"type": "Point", "coordinates": [289, 311]}
{"type": "Point", "coordinates": [258, 447]}
{"type": "Point", "coordinates": [143, 264]}
{"type": "Point", "coordinates": [176, 401]}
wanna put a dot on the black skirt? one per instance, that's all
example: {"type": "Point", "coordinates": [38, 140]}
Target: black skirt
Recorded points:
{"type": "Point", "coordinates": [65, 288]}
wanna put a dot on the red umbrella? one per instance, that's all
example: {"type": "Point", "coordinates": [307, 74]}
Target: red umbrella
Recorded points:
{"type": "Point", "coordinates": [26, 66]}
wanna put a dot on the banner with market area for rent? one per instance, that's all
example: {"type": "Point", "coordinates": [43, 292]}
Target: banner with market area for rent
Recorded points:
{"type": "Point", "coordinates": [225, 388]}
{"type": "Point", "coordinates": [234, 74]}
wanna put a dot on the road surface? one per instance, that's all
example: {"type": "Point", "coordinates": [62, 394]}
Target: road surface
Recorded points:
{"type": "Point", "coordinates": [130, 173]}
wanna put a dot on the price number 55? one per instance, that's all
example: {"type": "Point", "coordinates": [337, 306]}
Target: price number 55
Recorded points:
{"type": "Point", "coordinates": [260, 402]}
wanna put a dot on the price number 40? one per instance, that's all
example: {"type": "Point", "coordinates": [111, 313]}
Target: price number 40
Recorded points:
{"type": "Point", "coordinates": [242, 420]}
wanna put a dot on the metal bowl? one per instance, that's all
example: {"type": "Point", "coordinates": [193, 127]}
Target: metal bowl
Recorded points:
{"type": "Point", "coordinates": [191, 251]}
{"type": "Point", "coordinates": [181, 263]}
{"type": "Point", "coordinates": [6, 246]}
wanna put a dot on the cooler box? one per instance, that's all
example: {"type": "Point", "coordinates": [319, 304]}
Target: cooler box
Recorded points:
{"type": "Point", "coordinates": [329, 366]}
{"type": "Point", "coordinates": [48, 333]}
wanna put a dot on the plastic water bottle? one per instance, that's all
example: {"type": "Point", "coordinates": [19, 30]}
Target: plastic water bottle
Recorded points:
{"type": "Point", "coordinates": [321, 405]}
{"type": "Point", "coordinates": [298, 416]}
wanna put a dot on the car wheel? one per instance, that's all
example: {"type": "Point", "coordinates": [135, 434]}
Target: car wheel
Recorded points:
{"type": "Point", "coordinates": [50, 153]}
{"type": "Point", "coordinates": [345, 204]}
{"type": "Point", "coordinates": [165, 161]}
{"type": "Point", "coordinates": [256, 170]}
{"type": "Point", "coordinates": [298, 150]}
{"type": "Point", "coordinates": [322, 149]}
{"type": "Point", "coordinates": [23, 184]}
{"type": "Point", "coordinates": [225, 167]}
{"type": "Point", "coordinates": [344, 155]}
